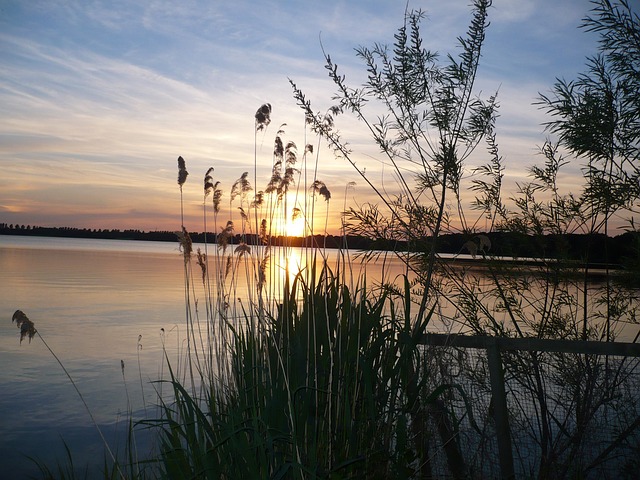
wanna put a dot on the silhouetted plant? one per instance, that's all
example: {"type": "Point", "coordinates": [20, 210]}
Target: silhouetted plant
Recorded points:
{"type": "Point", "coordinates": [430, 126]}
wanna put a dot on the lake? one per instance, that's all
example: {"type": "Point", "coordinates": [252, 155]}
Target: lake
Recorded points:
{"type": "Point", "coordinates": [96, 303]}
{"type": "Point", "coordinates": [91, 300]}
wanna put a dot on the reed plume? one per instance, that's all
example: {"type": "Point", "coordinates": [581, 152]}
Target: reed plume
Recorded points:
{"type": "Point", "coordinates": [276, 169]}
{"type": "Point", "coordinates": [26, 326]}
{"type": "Point", "coordinates": [258, 200]}
{"type": "Point", "coordinates": [202, 262]}
{"type": "Point", "coordinates": [263, 231]}
{"type": "Point", "coordinates": [225, 236]}
{"type": "Point", "coordinates": [263, 117]}
{"type": "Point", "coordinates": [186, 245]}
{"type": "Point", "coordinates": [320, 188]}
{"type": "Point", "coordinates": [240, 186]}
{"type": "Point", "coordinates": [262, 269]}
{"type": "Point", "coordinates": [243, 249]}
{"type": "Point", "coordinates": [208, 182]}
{"type": "Point", "coordinates": [182, 171]}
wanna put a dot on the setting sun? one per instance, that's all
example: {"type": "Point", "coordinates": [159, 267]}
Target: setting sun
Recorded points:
{"type": "Point", "coordinates": [295, 225]}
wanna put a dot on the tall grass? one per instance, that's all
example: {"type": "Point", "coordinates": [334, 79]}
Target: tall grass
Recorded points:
{"type": "Point", "coordinates": [431, 126]}
{"type": "Point", "coordinates": [288, 371]}
{"type": "Point", "coordinates": [300, 372]}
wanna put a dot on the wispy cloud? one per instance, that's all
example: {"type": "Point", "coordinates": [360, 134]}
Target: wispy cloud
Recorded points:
{"type": "Point", "coordinates": [100, 97]}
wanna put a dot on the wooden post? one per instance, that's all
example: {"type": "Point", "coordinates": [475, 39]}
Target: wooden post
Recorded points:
{"type": "Point", "coordinates": [494, 345]}
{"type": "Point", "coordinates": [500, 411]}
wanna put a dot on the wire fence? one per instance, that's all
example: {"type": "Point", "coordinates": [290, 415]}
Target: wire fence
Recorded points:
{"type": "Point", "coordinates": [531, 408]}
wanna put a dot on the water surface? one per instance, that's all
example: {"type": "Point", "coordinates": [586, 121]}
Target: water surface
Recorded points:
{"type": "Point", "coordinates": [98, 303]}
{"type": "Point", "coordinates": [90, 300]}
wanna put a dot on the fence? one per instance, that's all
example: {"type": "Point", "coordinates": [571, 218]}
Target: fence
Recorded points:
{"type": "Point", "coordinates": [549, 408]}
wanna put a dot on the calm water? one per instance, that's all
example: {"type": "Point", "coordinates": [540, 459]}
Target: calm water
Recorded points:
{"type": "Point", "coordinates": [91, 300]}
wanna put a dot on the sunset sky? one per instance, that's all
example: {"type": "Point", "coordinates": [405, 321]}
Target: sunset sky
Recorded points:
{"type": "Point", "coordinates": [99, 98]}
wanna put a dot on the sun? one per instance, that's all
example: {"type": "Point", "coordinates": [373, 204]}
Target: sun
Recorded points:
{"type": "Point", "coordinates": [295, 226]}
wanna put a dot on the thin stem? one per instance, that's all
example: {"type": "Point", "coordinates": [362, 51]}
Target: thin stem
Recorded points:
{"type": "Point", "coordinates": [93, 420]}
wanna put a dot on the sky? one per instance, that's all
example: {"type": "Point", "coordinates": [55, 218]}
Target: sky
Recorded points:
{"type": "Point", "coordinates": [99, 98]}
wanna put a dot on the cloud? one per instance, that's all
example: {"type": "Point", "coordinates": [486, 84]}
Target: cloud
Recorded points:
{"type": "Point", "coordinates": [110, 93]}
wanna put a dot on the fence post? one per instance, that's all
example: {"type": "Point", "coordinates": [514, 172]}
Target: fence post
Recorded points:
{"type": "Point", "coordinates": [500, 412]}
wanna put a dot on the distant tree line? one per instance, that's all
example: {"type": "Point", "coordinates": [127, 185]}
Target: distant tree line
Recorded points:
{"type": "Point", "coordinates": [72, 232]}
{"type": "Point", "coordinates": [621, 251]}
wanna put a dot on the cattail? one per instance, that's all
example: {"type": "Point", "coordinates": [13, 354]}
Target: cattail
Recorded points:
{"type": "Point", "coordinates": [182, 171]}
{"type": "Point", "coordinates": [263, 117]}
{"type": "Point", "coordinates": [26, 326]}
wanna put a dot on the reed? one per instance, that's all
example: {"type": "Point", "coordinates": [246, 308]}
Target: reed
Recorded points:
{"type": "Point", "coordinates": [432, 124]}
{"type": "Point", "coordinates": [308, 372]}
{"type": "Point", "coordinates": [324, 389]}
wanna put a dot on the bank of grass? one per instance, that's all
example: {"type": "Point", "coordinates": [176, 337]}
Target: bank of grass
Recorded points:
{"type": "Point", "coordinates": [309, 373]}
{"type": "Point", "coordinates": [327, 387]}
{"type": "Point", "coordinates": [287, 372]}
